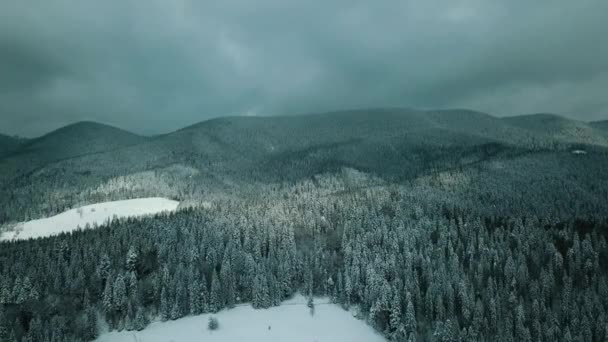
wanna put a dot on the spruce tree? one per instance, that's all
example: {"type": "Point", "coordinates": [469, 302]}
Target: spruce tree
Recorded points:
{"type": "Point", "coordinates": [395, 324]}
{"type": "Point", "coordinates": [141, 321]}
{"type": "Point", "coordinates": [410, 316]}
{"type": "Point", "coordinates": [215, 295]}
{"type": "Point", "coordinates": [4, 330]}
{"type": "Point", "coordinates": [132, 259]}
{"type": "Point", "coordinates": [165, 305]}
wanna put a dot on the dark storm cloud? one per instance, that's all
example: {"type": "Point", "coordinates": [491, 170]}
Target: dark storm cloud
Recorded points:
{"type": "Point", "coordinates": [154, 66]}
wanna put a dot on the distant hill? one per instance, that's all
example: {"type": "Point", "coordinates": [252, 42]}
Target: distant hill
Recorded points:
{"type": "Point", "coordinates": [603, 125]}
{"type": "Point", "coordinates": [560, 129]}
{"type": "Point", "coordinates": [9, 144]}
{"type": "Point", "coordinates": [71, 141]}
{"type": "Point", "coordinates": [390, 141]}
{"type": "Point", "coordinates": [234, 153]}
{"type": "Point", "coordinates": [79, 139]}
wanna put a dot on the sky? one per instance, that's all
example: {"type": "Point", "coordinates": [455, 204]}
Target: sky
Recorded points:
{"type": "Point", "coordinates": [155, 66]}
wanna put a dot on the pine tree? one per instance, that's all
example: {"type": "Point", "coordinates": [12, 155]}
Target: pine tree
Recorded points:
{"type": "Point", "coordinates": [213, 323]}
{"type": "Point", "coordinates": [141, 321]}
{"type": "Point", "coordinates": [35, 331]}
{"type": "Point", "coordinates": [90, 327]}
{"type": "Point", "coordinates": [411, 325]}
{"type": "Point", "coordinates": [215, 300]}
{"type": "Point", "coordinates": [4, 331]}
{"type": "Point", "coordinates": [119, 293]}
{"type": "Point", "coordinates": [175, 311]}
{"type": "Point", "coordinates": [568, 335]}
{"type": "Point", "coordinates": [132, 259]}
{"type": "Point", "coordinates": [131, 282]}
{"type": "Point", "coordinates": [204, 295]}
{"type": "Point", "coordinates": [165, 305]}
{"type": "Point", "coordinates": [104, 267]}
{"type": "Point", "coordinates": [5, 292]}
{"type": "Point", "coordinates": [129, 318]}
{"type": "Point", "coordinates": [228, 284]}
{"type": "Point", "coordinates": [194, 294]}
{"type": "Point", "coordinates": [24, 292]}
{"type": "Point", "coordinates": [108, 298]}
{"type": "Point", "coordinates": [395, 313]}
{"type": "Point", "coordinates": [261, 297]}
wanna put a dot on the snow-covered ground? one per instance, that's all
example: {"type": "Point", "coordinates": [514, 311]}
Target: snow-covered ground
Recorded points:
{"type": "Point", "coordinates": [292, 321]}
{"type": "Point", "coordinates": [90, 214]}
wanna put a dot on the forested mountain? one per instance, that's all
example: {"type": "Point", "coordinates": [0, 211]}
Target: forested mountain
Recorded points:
{"type": "Point", "coordinates": [71, 141]}
{"type": "Point", "coordinates": [603, 125]}
{"type": "Point", "coordinates": [9, 144]}
{"type": "Point", "coordinates": [561, 129]}
{"type": "Point", "coordinates": [80, 138]}
{"type": "Point", "coordinates": [229, 154]}
{"type": "Point", "coordinates": [417, 267]}
{"type": "Point", "coordinates": [431, 225]}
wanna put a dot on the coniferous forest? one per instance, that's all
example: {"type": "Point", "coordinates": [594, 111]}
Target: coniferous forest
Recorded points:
{"type": "Point", "coordinates": [424, 241]}
{"type": "Point", "coordinates": [415, 271]}
{"type": "Point", "coordinates": [304, 171]}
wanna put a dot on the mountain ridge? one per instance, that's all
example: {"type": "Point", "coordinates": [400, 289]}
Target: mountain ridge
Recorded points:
{"type": "Point", "coordinates": [350, 132]}
{"type": "Point", "coordinates": [74, 140]}
{"type": "Point", "coordinates": [402, 110]}
{"type": "Point", "coordinates": [233, 154]}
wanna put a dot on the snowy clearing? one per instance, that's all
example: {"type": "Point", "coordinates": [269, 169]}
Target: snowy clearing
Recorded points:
{"type": "Point", "coordinates": [94, 214]}
{"type": "Point", "coordinates": [292, 321]}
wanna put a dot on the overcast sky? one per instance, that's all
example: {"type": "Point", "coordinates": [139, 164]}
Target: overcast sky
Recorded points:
{"type": "Point", "coordinates": [156, 65]}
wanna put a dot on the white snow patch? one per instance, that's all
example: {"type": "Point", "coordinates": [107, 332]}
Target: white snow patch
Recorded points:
{"type": "Point", "coordinates": [292, 321]}
{"type": "Point", "coordinates": [95, 214]}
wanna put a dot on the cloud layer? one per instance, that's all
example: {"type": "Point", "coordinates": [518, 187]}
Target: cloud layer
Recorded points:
{"type": "Point", "coordinates": [154, 66]}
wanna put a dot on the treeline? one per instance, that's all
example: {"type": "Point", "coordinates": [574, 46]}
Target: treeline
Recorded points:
{"type": "Point", "coordinates": [414, 271]}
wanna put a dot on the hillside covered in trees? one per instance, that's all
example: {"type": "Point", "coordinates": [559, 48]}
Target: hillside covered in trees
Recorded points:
{"type": "Point", "coordinates": [427, 226]}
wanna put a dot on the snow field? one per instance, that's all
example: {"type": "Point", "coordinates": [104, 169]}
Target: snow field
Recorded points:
{"type": "Point", "coordinates": [94, 214]}
{"type": "Point", "coordinates": [292, 321]}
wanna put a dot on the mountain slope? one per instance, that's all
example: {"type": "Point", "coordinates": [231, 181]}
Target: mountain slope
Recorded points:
{"type": "Point", "coordinates": [234, 154]}
{"type": "Point", "coordinates": [71, 141]}
{"type": "Point", "coordinates": [559, 129]}
{"type": "Point", "coordinates": [602, 125]}
{"type": "Point", "coordinates": [79, 139]}
{"type": "Point", "coordinates": [9, 144]}
{"type": "Point", "coordinates": [386, 141]}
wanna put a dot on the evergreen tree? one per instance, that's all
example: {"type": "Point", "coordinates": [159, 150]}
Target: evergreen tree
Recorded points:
{"type": "Point", "coordinates": [4, 330]}
{"type": "Point", "coordinates": [410, 316]}
{"type": "Point", "coordinates": [175, 311]}
{"type": "Point", "coordinates": [195, 295]}
{"type": "Point", "coordinates": [90, 327]}
{"type": "Point", "coordinates": [108, 297]}
{"type": "Point", "coordinates": [261, 296]}
{"type": "Point", "coordinates": [141, 321]}
{"type": "Point", "coordinates": [132, 259]}
{"type": "Point", "coordinates": [213, 324]}
{"type": "Point", "coordinates": [395, 324]}
{"type": "Point", "coordinates": [119, 293]}
{"type": "Point", "coordinates": [165, 305]}
{"type": "Point", "coordinates": [215, 295]}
